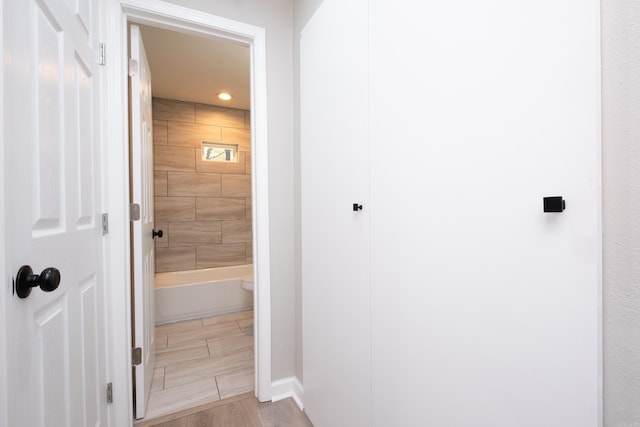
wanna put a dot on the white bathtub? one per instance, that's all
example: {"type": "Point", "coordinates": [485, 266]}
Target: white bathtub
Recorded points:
{"type": "Point", "coordinates": [190, 294]}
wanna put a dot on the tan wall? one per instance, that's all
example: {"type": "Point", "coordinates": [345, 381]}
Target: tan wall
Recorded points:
{"type": "Point", "coordinates": [204, 208]}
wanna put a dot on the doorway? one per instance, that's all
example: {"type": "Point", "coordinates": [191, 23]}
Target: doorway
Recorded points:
{"type": "Point", "coordinates": [196, 23]}
{"type": "Point", "coordinates": [203, 211]}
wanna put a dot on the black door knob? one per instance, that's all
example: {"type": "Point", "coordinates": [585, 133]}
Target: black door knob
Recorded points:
{"type": "Point", "coordinates": [158, 233]}
{"type": "Point", "coordinates": [357, 207]}
{"type": "Point", "coordinates": [48, 280]}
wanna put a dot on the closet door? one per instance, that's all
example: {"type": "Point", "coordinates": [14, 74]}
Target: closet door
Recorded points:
{"type": "Point", "coordinates": [335, 241]}
{"type": "Point", "coordinates": [485, 308]}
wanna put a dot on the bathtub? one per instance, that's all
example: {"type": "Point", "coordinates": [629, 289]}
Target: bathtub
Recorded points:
{"type": "Point", "coordinates": [190, 294]}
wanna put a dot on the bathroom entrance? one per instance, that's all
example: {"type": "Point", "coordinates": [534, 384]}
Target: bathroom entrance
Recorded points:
{"type": "Point", "coordinates": [205, 198]}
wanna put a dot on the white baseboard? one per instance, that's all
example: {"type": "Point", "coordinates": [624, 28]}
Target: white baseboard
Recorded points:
{"type": "Point", "coordinates": [288, 387]}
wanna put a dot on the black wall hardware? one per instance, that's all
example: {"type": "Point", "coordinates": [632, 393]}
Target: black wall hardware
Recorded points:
{"type": "Point", "coordinates": [357, 207]}
{"type": "Point", "coordinates": [554, 204]}
{"type": "Point", "coordinates": [158, 233]}
{"type": "Point", "coordinates": [48, 280]}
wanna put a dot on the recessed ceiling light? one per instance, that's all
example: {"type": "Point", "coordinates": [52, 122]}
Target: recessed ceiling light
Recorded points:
{"type": "Point", "coordinates": [225, 96]}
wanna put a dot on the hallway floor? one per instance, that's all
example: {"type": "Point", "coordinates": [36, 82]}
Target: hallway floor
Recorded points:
{"type": "Point", "coordinates": [241, 411]}
{"type": "Point", "coordinates": [201, 361]}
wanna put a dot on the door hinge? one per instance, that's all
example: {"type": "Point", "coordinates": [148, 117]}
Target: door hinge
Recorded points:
{"type": "Point", "coordinates": [136, 356]}
{"type": "Point", "coordinates": [103, 54]}
{"type": "Point", "coordinates": [109, 393]}
{"type": "Point", "coordinates": [134, 212]}
{"type": "Point", "coordinates": [105, 223]}
{"type": "Point", "coordinates": [133, 67]}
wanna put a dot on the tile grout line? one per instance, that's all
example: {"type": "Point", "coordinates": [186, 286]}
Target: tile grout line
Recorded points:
{"type": "Point", "coordinates": [164, 376]}
{"type": "Point", "coordinates": [217, 387]}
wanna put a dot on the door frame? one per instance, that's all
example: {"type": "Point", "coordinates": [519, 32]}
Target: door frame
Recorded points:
{"type": "Point", "coordinates": [6, 284]}
{"type": "Point", "coordinates": [177, 18]}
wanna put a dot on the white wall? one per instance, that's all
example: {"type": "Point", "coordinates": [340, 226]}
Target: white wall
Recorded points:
{"type": "Point", "coordinates": [5, 282]}
{"type": "Point", "coordinates": [276, 17]}
{"type": "Point", "coordinates": [621, 213]}
{"type": "Point", "coordinates": [303, 10]}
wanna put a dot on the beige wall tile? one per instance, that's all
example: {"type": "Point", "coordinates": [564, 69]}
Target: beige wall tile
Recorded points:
{"type": "Point", "coordinates": [242, 137]}
{"type": "Point", "coordinates": [175, 209]}
{"type": "Point", "coordinates": [160, 183]}
{"type": "Point", "coordinates": [160, 132]}
{"type": "Point", "coordinates": [219, 116]}
{"type": "Point", "coordinates": [175, 259]}
{"type": "Point", "coordinates": [221, 167]}
{"type": "Point", "coordinates": [249, 250]}
{"type": "Point", "coordinates": [192, 194]}
{"type": "Point", "coordinates": [236, 185]}
{"type": "Point", "coordinates": [194, 233]}
{"type": "Point", "coordinates": [249, 211]}
{"type": "Point", "coordinates": [178, 111]}
{"type": "Point", "coordinates": [216, 208]}
{"type": "Point", "coordinates": [191, 134]}
{"type": "Point", "coordinates": [247, 164]}
{"type": "Point", "coordinates": [162, 242]}
{"type": "Point", "coordinates": [193, 184]}
{"type": "Point", "coordinates": [220, 255]}
{"type": "Point", "coordinates": [236, 231]}
{"type": "Point", "coordinates": [174, 158]}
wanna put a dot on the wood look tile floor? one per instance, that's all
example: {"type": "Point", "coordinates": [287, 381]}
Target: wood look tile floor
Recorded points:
{"type": "Point", "coordinates": [239, 411]}
{"type": "Point", "coordinates": [199, 362]}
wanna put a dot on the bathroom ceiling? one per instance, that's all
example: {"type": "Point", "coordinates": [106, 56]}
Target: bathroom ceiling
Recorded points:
{"type": "Point", "coordinates": [196, 69]}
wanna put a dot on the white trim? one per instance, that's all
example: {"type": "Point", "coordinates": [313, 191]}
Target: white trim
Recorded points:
{"type": "Point", "coordinates": [260, 195]}
{"type": "Point", "coordinates": [5, 278]}
{"type": "Point", "coordinates": [288, 387]}
{"type": "Point", "coordinates": [114, 128]}
{"type": "Point", "coordinates": [597, 174]}
{"type": "Point", "coordinates": [177, 18]}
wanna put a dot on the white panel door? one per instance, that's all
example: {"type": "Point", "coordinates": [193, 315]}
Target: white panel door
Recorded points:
{"type": "Point", "coordinates": [142, 195]}
{"type": "Point", "coordinates": [335, 247]}
{"type": "Point", "coordinates": [56, 340]}
{"type": "Point", "coordinates": [485, 309]}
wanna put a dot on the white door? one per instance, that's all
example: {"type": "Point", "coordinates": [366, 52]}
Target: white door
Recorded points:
{"type": "Point", "coordinates": [56, 340]}
{"type": "Point", "coordinates": [335, 240]}
{"type": "Point", "coordinates": [485, 308]}
{"type": "Point", "coordinates": [142, 195]}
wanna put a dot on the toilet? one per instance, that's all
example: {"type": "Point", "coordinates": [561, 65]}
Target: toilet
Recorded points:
{"type": "Point", "coordinates": [247, 284]}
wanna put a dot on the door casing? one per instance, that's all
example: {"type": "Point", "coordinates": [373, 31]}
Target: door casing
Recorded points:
{"type": "Point", "coordinates": [118, 15]}
{"type": "Point", "coordinates": [6, 285]}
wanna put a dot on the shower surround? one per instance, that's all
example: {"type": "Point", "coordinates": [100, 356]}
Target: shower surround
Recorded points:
{"type": "Point", "coordinates": [203, 207]}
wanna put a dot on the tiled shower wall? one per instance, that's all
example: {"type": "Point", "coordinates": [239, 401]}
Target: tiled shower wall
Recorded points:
{"type": "Point", "coordinates": [203, 207]}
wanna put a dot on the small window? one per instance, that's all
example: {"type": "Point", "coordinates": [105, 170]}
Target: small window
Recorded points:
{"type": "Point", "coordinates": [215, 152]}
